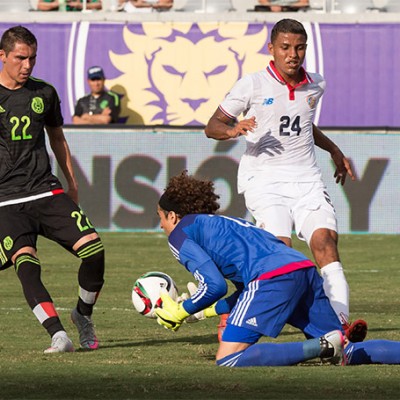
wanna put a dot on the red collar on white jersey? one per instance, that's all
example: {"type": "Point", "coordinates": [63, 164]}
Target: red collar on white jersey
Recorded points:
{"type": "Point", "coordinates": [271, 69]}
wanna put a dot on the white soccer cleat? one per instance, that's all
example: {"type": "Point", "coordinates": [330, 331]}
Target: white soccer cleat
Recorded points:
{"type": "Point", "coordinates": [60, 343]}
{"type": "Point", "coordinates": [87, 336]}
{"type": "Point", "coordinates": [332, 348]}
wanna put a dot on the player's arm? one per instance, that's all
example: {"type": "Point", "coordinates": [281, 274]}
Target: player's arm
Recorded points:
{"type": "Point", "coordinates": [223, 127]}
{"type": "Point", "coordinates": [212, 287]}
{"type": "Point", "coordinates": [211, 283]}
{"type": "Point", "coordinates": [62, 153]}
{"type": "Point", "coordinates": [223, 124]}
{"type": "Point", "coordinates": [172, 314]}
{"type": "Point", "coordinates": [222, 306]}
{"type": "Point", "coordinates": [225, 305]}
{"type": "Point", "coordinates": [341, 162]}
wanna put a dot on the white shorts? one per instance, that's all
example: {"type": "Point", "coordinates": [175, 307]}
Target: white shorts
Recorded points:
{"type": "Point", "coordinates": [280, 207]}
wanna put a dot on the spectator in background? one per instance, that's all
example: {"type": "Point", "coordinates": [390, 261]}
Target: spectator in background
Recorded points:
{"type": "Point", "coordinates": [67, 5]}
{"type": "Point", "coordinates": [282, 5]}
{"type": "Point", "coordinates": [100, 106]}
{"type": "Point", "coordinates": [133, 6]}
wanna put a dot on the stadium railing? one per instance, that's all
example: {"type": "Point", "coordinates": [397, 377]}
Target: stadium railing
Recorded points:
{"type": "Point", "coordinates": [238, 6]}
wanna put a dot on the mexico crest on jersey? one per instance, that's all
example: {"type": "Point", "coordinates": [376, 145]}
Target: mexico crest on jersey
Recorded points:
{"type": "Point", "coordinates": [8, 243]}
{"type": "Point", "coordinates": [37, 105]}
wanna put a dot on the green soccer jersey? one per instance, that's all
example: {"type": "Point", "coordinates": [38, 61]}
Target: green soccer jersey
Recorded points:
{"type": "Point", "coordinates": [25, 168]}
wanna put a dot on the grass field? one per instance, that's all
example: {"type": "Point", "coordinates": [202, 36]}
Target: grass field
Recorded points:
{"type": "Point", "coordinates": [140, 360]}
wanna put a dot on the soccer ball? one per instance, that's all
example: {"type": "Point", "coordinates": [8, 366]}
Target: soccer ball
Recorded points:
{"type": "Point", "coordinates": [147, 289]}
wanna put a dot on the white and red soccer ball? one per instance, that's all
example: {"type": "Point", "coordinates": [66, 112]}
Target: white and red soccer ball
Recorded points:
{"type": "Point", "coordinates": [147, 289]}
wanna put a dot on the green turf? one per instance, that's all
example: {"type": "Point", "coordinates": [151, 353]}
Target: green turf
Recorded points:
{"type": "Point", "coordinates": [140, 360]}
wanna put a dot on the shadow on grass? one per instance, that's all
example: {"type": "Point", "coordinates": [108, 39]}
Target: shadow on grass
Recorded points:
{"type": "Point", "coordinates": [198, 339]}
{"type": "Point", "coordinates": [397, 329]}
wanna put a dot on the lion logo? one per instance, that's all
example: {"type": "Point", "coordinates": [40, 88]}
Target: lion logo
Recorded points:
{"type": "Point", "coordinates": [178, 73]}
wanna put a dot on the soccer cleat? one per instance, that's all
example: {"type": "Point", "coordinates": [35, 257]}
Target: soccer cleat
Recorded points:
{"type": "Point", "coordinates": [87, 336]}
{"type": "Point", "coordinates": [357, 331]}
{"type": "Point", "coordinates": [332, 348]}
{"type": "Point", "coordinates": [222, 325]}
{"type": "Point", "coordinates": [60, 343]}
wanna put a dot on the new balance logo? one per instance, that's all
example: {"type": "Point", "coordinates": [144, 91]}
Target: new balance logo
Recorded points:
{"type": "Point", "coordinates": [2, 109]}
{"type": "Point", "coordinates": [268, 101]}
{"type": "Point", "coordinates": [252, 321]}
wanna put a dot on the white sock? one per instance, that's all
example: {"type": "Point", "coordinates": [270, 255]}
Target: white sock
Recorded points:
{"type": "Point", "coordinates": [337, 289]}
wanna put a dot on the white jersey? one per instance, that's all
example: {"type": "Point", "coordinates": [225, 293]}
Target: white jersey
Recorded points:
{"type": "Point", "coordinates": [281, 148]}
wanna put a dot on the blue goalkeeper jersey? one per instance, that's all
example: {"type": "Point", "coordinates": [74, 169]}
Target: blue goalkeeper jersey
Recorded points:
{"type": "Point", "coordinates": [215, 248]}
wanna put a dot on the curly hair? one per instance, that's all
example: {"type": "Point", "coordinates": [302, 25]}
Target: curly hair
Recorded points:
{"type": "Point", "coordinates": [186, 194]}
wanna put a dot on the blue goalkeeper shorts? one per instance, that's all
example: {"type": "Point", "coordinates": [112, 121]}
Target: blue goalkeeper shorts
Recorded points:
{"type": "Point", "coordinates": [265, 306]}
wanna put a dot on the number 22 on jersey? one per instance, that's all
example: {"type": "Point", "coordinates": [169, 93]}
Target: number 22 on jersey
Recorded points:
{"type": "Point", "coordinates": [20, 127]}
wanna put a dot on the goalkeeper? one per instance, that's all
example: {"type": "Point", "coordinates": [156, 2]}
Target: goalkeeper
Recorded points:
{"type": "Point", "coordinates": [276, 285]}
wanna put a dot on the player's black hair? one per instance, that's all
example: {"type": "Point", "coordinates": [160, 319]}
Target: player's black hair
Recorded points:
{"type": "Point", "coordinates": [287, 25]}
{"type": "Point", "coordinates": [14, 35]}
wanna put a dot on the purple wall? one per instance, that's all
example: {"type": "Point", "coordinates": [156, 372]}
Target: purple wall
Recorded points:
{"type": "Point", "coordinates": [360, 64]}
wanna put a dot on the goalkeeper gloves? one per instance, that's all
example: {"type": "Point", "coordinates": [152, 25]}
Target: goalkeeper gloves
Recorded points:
{"type": "Point", "coordinates": [203, 314]}
{"type": "Point", "coordinates": [172, 314]}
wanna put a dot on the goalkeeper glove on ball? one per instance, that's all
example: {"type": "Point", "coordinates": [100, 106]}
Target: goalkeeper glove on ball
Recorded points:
{"type": "Point", "coordinates": [171, 314]}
